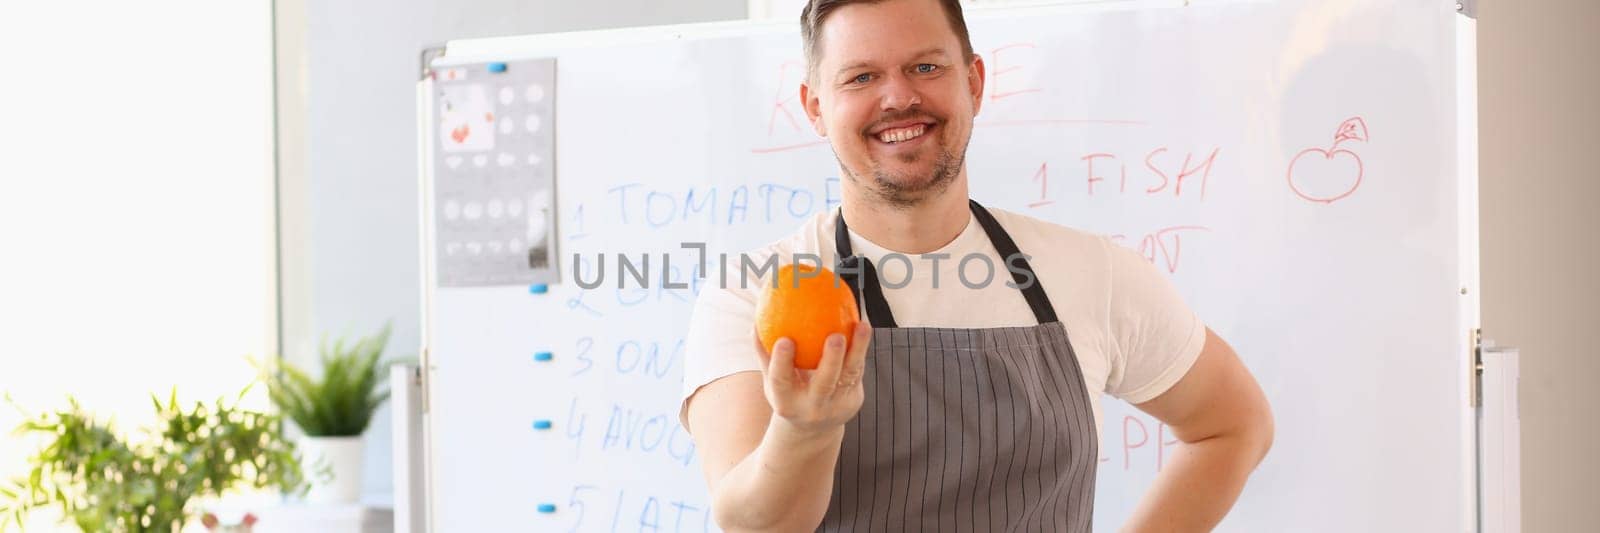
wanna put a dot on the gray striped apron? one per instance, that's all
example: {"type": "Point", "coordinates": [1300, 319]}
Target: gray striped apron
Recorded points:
{"type": "Point", "coordinates": [965, 429]}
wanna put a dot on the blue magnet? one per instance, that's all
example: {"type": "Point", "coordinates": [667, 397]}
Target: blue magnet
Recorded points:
{"type": "Point", "coordinates": [541, 424]}
{"type": "Point", "coordinates": [497, 67]}
{"type": "Point", "coordinates": [543, 356]}
{"type": "Point", "coordinates": [538, 288]}
{"type": "Point", "coordinates": [547, 508]}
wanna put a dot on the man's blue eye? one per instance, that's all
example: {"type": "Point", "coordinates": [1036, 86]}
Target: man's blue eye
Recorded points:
{"type": "Point", "coordinates": [926, 68]}
{"type": "Point", "coordinates": [862, 78]}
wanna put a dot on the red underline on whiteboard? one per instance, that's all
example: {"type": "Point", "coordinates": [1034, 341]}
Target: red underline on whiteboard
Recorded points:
{"type": "Point", "coordinates": [1060, 122]}
{"type": "Point", "coordinates": [772, 149]}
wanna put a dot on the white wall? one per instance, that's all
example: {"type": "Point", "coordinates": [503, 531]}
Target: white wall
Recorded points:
{"type": "Point", "coordinates": [347, 183]}
{"type": "Point", "coordinates": [1539, 101]}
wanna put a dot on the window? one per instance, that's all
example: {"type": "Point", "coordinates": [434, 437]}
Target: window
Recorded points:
{"type": "Point", "coordinates": [136, 206]}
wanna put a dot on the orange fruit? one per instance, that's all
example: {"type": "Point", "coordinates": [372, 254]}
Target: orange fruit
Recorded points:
{"type": "Point", "coordinates": [806, 306]}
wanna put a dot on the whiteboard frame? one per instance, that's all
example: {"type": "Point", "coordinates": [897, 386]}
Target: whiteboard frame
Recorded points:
{"type": "Point", "coordinates": [429, 280]}
{"type": "Point", "coordinates": [1468, 246]}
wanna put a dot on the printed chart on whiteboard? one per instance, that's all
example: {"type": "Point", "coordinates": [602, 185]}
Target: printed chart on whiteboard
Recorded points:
{"type": "Point", "coordinates": [495, 174]}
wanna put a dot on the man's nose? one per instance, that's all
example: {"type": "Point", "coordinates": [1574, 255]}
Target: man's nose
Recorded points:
{"type": "Point", "coordinates": [899, 94]}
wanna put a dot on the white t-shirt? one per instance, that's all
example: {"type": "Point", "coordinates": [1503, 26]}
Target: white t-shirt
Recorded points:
{"type": "Point", "coordinates": [1133, 334]}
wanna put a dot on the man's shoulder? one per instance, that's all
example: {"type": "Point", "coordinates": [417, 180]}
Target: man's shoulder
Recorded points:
{"type": "Point", "coordinates": [1026, 230]}
{"type": "Point", "coordinates": [807, 238]}
{"type": "Point", "coordinates": [1071, 256]}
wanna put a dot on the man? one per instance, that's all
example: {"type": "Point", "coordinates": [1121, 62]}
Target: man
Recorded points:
{"type": "Point", "coordinates": [963, 407]}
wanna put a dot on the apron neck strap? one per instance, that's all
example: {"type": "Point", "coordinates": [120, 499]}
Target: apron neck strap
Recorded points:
{"type": "Point", "coordinates": [1022, 274]}
{"type": "Point", "coordinates": [858, 272]}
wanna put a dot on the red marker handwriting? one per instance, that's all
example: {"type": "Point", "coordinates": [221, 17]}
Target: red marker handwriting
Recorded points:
{"type": "Point", "coordinates": [1334, 175]}
{"type": "Point", "coordinates": [995, 93]}
{"type": "Point", "coordinates": [1094, 178]}
{"type": "Point", "coordinates": [1165, 244]}
{"type": "Point", "coordinates": [1162, 175]}
{"type": "Point", "coordinates": [1186, 171]}
{"type": "Point", "coordinates": [1043, 177]}
{"type": "Point", "coordinates": [786, 93]}
{"type": "Point", "coordinates": [1129, 444]}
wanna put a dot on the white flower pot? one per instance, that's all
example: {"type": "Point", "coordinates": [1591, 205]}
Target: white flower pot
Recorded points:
{"type": "Point", "coordinates": [342, 456]}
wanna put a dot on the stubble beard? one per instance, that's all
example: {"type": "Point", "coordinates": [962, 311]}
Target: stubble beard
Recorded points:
{"type": "Point", "coordinates": [901, 191]}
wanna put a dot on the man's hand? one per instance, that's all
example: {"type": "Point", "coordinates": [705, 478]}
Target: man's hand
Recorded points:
{"type": "Point", "coordinates": [816, 402]}
{"type": "Point", "coordinates": [770, 464]}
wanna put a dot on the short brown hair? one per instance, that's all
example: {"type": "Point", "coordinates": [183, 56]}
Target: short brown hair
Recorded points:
{"type": "Point", "coordinates": [816, 13]}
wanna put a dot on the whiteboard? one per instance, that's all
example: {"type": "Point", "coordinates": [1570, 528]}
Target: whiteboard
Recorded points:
{"type": "Point", "coordinates": [1302, 170]}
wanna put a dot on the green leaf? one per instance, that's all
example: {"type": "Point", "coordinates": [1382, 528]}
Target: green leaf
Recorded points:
{"type": "Point", "coordinates": [102, 483]}
{"type": "Point", "coordinates": [343, 397]}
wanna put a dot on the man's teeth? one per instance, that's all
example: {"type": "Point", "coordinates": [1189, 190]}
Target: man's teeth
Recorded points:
{"type": "Point", "coordinates": [902, 134]}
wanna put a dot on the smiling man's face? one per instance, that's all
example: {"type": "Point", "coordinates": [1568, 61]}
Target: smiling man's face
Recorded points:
{"type": "Point", "coordinates": [895, 94]}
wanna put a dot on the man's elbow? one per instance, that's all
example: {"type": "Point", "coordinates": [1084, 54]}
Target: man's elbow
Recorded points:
{"type": "Point", "coordinates": [731, 518]}
{"type": "Point", "coordinates": [1259, 433]}
{"type": "Point", "coordinates": [736, 517]}
{"type": "Point", "coordinates": [734, 523]}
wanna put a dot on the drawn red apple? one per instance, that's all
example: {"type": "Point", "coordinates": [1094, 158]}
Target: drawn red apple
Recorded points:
{"type": "Point", "coordinates": [1328, 175]}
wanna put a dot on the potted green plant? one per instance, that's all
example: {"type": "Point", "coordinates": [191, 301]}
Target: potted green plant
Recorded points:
{"type": "Point", "coordinates": [103, 481]}
{"type": "Point", "coordinates": [333, 409]}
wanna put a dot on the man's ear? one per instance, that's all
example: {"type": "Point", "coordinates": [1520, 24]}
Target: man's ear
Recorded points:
{"type": "Point", "coordinates": [975, 79]}
{"type": "Point", "coordinates": [813, 107]}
